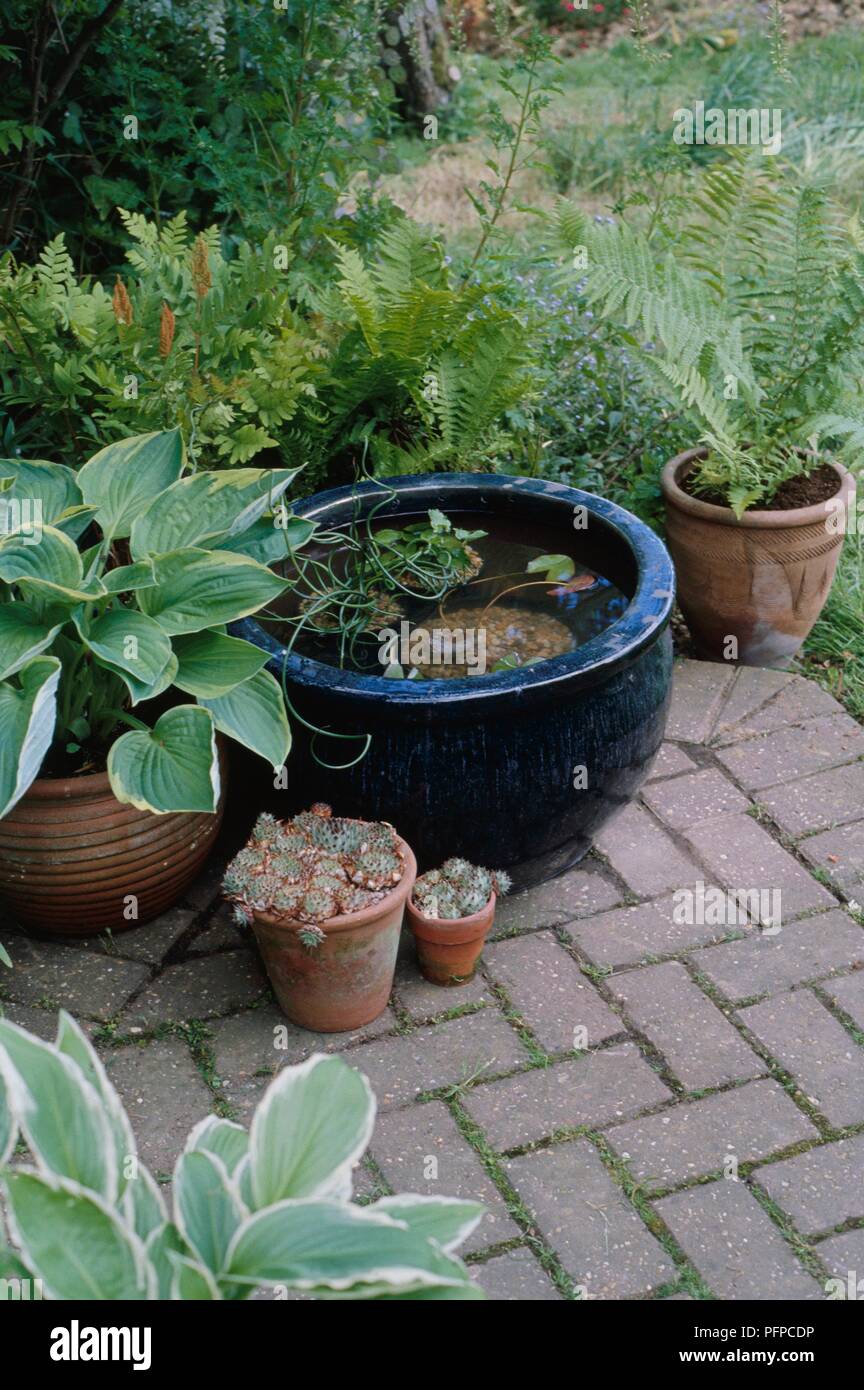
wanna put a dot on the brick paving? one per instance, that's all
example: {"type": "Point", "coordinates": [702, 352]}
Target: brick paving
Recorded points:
{"type": "Point", "coordinates": [654, 1096]}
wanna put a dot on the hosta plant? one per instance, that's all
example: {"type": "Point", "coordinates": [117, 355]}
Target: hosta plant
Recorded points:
{"type": "Point", "coordinates": [267, 1209]}
{"type": "Point", "coordinates": [116, 583]}
{"type": "Point", "coordinates": [312, 868]}
{"type": "Point", "coordinates": [457, 889]}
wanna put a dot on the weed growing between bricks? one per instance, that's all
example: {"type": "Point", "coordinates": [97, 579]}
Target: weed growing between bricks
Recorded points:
{"type": "Point", "coordinates": [515, 1206]}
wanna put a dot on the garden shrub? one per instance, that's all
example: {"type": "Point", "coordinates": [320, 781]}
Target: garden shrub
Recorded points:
{"type": "Point", "coordinates": [254, 116]}
{"type": "Point", "coordinates": [757, 313]}
{"type": "Point", "coordinates": [188, 339]}
{"type": "Point", "coordinates": [395, 357]}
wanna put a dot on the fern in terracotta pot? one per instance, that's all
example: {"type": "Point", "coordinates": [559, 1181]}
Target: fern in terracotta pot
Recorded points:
{"type": "Point", "coordinates": [753, 324]}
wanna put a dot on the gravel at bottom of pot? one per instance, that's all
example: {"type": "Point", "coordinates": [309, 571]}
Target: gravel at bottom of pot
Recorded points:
{"type": "Point", "coordinates": [345, 981]}
{"type": "Point", "coordinates": [448, 950]}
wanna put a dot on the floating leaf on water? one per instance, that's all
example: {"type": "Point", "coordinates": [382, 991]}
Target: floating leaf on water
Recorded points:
{"type": "Point", "coordinates": [573, 586]}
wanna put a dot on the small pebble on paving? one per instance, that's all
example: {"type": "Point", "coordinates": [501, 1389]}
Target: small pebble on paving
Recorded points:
{"type": "Point", "coordinates": [760, 781]}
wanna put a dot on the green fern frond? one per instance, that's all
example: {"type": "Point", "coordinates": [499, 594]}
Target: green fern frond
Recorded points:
{"type": "Point", "coordinates": [846, 426]}
{"type": "Point", "coordinates": [174, 237]}
{"type": "Point", "coordinates": [667, 301]}
{"type": "Point", "coordinates": [142, 231]}
{"type": "Point", "coordinates": [56, 269]}
{"type": "Point", "coordinates": [359, 292]}
{"type": "Point", "coordinates": [698, 394]}
{"type": "Point", "coordinates": [406, 259]}
{"type": "Point", "coordinates": [244, 443]}
{"type": "Point", "coordinates": [568, 225]}
{"type": "Point", "coordinates": [738, 210]}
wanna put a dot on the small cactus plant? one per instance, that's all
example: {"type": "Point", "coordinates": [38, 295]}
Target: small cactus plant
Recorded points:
{"type": "Point", "coordinates": [312, 868]}
{"type": "Point", "coordinates": [457, 889]}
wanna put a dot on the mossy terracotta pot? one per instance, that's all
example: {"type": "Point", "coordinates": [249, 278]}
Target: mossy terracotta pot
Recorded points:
{"type": "Point", "coordinates": [346, 980]}
{"type": "Point", "coordinates": [761, 579]}
{"type": "Point", "coordinates": [75, 861]}
{"type": "Point", "coordinates": [448, 949]}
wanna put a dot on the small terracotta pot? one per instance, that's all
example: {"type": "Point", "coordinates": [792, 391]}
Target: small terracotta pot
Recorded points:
{"type": "Point", "coordinates": [346, 981]}
{"type": "Point", "coordinates": [762, 579]}
{"type": "Point", "coordinates": [72, 856]}
{"type": "Point", "coordinates": [448, 948]}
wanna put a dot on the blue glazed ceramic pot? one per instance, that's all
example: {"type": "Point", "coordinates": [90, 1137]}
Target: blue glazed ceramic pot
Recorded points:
{"type": "Point", "coordinates": [491, 767]}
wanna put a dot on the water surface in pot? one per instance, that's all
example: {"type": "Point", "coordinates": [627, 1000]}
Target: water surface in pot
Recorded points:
{"type": "Point", "coordinates": [502, 617]}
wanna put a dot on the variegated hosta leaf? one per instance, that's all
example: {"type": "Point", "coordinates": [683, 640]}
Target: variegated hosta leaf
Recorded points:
{"type": "Point", "coordinates": [205, 508]}
{"type": "Point", "coordinates": [312, 1125]}
{"type": "Point", "coordinates": [160, 1244]}
{"type": "Point", "coordinates": [172, 767]}
{"type": "Point", "coordinates": [8, 1127]}
{"type": "Point", "coordinates": [254, 714]}
{"type": "Point", "coordinates": [23, 635]}
{"type": "Point", "coordinates": [334, 1247]}
{"type": "Point", "coordinates": [75, 1242]}
{"type": "Point", "coordinates": [59, 1112]}
{"type": "Point", "coordinates": [272, 538]}
{"type": "Point", "coordinates": [51, 566]}
{"type": "Point", "coordinates": [28, 713]}
{"type": "Point", "coordinates": [211, 664]}
{"type": "Point", "coordinates": [52, 485]}
{"type": "Point", "coordinates": [73, 1042]}
{"type": "Point", "coordinates": [222, 1138]}
{"type": "Point", "coordinates": [124, 478]}
{"type": "Point", "coordinates": [130, 644]}
{"type": "Point", "coordinates": [207, 1206]}
{"type": "Point", "coordinates": [443, 1219]}
{"type": "Point", "coordinates": [143, 1204]}
{"type": "Point", "coordinates": [197, 589]}
{"type": "Point", "coordinates": [192, 1282]}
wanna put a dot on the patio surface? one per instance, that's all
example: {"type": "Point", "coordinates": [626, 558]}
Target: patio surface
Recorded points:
{"type": "Point", "coordinates": [649, 1107]}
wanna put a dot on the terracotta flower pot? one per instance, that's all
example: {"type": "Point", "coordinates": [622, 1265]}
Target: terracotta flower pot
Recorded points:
{"type": "Point", "coordinates": [448, 948]}
{"type": "Point", "coordinates": [346, 981]}
{"type": "Point", "coordinates": [762, 579]}
{"type": "Point", "coordinates": [72, 857]}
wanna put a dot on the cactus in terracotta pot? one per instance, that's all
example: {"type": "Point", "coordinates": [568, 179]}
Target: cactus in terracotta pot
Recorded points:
{"type": "Point", "coordinates": [450, 913]}
{"type": "Point", "coordinates": [325, 896]}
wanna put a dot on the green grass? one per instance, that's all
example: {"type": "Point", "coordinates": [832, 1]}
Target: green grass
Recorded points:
{"type": "Point", "coordinates": [834, 654]}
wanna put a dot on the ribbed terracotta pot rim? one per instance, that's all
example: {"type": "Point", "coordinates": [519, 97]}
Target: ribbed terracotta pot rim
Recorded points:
{"type": "Point", "coordinates": [83, 784]}
{"type": "Point", "coordinates": [347, 921]}
{"type": "Point", "coordinates": [450, 927]}
{"type": "Point", "coordinates": [757, 520]}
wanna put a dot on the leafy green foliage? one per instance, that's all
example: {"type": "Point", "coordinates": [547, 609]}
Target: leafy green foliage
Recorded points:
{"type": "Point", "coordinates": [423, 368]}
{"type": "Point", "coordinates": [87, 636]}
{"type": "Point", "coordinates": [255, 115]}
{"type": "Point", "coordinates": [265, 1209]}
{"type": "Point", "coordinates": [358, 588]}
{"type": "Point", "coordinates": [230, 367]}
{"type": "Point", "coordinates": [247, 356]}
{"type": "Point", "coordinates": [594, 422]}
{"type": "Point", "coordinates": [834, 651]}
